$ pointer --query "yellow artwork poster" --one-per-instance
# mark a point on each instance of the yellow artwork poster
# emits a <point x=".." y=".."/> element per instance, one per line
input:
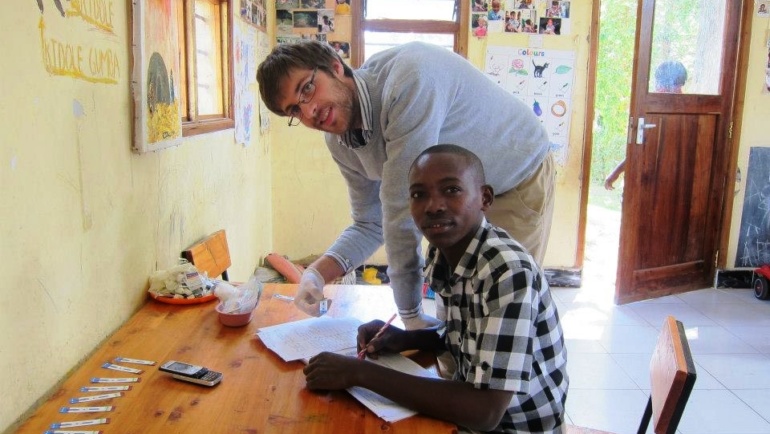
<point x="156" y="76"/>
<point x="69" y="48"/>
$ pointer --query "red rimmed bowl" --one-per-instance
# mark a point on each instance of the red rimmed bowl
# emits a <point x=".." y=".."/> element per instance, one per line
<point x="234" y="319"/>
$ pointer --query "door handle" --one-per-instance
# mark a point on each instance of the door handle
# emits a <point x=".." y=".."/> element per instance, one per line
<point x="640" y="127"/>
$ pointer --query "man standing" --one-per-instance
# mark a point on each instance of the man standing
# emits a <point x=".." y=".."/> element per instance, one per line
<point x="377" y="119"/>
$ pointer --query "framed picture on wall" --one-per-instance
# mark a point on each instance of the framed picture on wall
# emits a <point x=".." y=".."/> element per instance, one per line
<point x="305" y="20"/>
<point x="155" y="76"/>
<point x="254" y="12"/>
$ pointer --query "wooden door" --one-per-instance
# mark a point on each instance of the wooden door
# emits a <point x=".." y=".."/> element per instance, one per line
<point x="676" y="156"/>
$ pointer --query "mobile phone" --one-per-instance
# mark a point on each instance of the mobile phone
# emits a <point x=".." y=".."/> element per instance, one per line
<point x="192" y="373"/>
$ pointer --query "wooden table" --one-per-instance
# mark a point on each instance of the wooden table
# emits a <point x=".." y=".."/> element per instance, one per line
<point x="259" y="393"/>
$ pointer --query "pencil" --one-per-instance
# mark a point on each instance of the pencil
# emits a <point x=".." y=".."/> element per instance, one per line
<point x="362" y="353"/>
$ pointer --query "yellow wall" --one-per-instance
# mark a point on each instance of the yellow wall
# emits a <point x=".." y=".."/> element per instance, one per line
<point x="310" y="205"/>
<point x="756" y="111"/>
<point x="562" y="246"/>
<point x="84" y="220"/>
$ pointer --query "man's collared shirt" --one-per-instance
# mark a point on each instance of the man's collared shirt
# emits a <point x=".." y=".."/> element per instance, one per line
<point x="358" y="138"/>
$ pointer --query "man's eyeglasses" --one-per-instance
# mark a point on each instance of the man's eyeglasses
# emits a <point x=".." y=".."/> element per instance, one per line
<point x="305" y="95"/>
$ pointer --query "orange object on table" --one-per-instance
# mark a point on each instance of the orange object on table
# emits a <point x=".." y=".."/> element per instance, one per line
<point x="288" y="269"/>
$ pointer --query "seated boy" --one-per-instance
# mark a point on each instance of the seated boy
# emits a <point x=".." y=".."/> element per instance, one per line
<point x="501" y="328"/>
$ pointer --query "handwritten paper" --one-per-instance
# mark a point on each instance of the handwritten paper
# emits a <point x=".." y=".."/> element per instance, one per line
<point x="305" y="338"/>
<point x="301" y="340"/>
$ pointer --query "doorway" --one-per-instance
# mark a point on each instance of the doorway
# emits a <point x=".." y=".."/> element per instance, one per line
<point x="678" y="139"/>
<point x="614" y="68"/>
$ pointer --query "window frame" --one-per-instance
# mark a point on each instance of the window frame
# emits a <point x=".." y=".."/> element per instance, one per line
<point x="458" y="28"/>
<point x="193" y="123"/>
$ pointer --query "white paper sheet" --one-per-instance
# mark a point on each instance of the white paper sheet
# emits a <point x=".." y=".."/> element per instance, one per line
<point x="301" y="340"/>
<point x="381" y="406"/>
<point x="305" y="338"/>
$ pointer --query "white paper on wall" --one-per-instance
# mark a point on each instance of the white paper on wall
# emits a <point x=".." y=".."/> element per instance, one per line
<point x="543" y="79"/>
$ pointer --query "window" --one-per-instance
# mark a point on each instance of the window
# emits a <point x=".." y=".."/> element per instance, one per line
<point x="387" y="23"/>
<point x="205" y="44"/>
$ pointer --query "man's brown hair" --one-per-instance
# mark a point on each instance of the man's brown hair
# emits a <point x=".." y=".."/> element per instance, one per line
<point x="306" y="54"/>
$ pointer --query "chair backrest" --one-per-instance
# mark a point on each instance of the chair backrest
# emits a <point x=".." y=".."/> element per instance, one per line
<point x="672" y="376"/>
<point x="210" y="255"/>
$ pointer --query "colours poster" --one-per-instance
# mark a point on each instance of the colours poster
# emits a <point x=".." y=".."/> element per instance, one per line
<point x="543" y="79"/>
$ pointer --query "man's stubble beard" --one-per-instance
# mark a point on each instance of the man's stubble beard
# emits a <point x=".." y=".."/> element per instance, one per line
<point x="349" y="105"/>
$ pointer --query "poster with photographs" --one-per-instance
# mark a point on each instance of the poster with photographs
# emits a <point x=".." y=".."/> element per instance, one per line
<point x="543" y="79"/>
<point x="546" y="17"/>
<point x="321" y="20"/>
<point x="254" y="13"/>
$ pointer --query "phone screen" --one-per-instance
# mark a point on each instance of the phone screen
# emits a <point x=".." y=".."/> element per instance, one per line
<point x="183" y="368"/>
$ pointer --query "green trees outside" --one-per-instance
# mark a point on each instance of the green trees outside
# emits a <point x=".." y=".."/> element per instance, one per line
<point x="613" y="86"/>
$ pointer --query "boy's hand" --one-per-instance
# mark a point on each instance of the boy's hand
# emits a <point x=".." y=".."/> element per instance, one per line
<point x="329" y="371"/>
<point x="392" y="339"/>
<point x="608" y="183"/>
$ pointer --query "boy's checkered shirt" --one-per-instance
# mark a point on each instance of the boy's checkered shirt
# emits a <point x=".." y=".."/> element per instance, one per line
<point x="503" y="328"/>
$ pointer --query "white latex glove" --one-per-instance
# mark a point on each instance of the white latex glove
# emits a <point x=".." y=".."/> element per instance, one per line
<point x="310" y="293"/>
<point x="421" y="321"/>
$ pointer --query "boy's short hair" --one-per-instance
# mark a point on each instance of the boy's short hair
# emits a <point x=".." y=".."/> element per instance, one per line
<point x="670" y="74"/>
<point x="306" y="54"/>
<point x="472" y="159"/>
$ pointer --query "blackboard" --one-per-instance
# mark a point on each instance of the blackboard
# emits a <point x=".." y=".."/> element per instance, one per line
<point x="754" y="239"/>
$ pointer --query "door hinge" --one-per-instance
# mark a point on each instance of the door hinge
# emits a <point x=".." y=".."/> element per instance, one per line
<point x="716" y="258"/>
<point x="730" y="131"/>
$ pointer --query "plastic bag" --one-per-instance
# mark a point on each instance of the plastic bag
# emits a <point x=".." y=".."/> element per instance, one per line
<point x="182" y="281"/>
<point x="240" y="299"/>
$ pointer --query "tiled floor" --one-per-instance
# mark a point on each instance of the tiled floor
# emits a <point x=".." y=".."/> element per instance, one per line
<point x="609" y="349"/>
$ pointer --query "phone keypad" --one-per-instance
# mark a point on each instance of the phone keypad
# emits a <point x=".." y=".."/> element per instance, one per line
<point x="210" y="376"/>
<point x="200" y="374"/>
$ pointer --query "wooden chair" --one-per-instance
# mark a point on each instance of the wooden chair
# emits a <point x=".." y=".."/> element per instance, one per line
<point x="672" y="376"/>
<point x="210" y="255"/>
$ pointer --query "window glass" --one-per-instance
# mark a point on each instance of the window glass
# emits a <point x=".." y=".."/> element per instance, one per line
<point x="205" y="58"/>
<point x="687" y="47"/>
<point x="410" y="9"/>
<point x="208" y="58"/>
<point x="378" y="41"/>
